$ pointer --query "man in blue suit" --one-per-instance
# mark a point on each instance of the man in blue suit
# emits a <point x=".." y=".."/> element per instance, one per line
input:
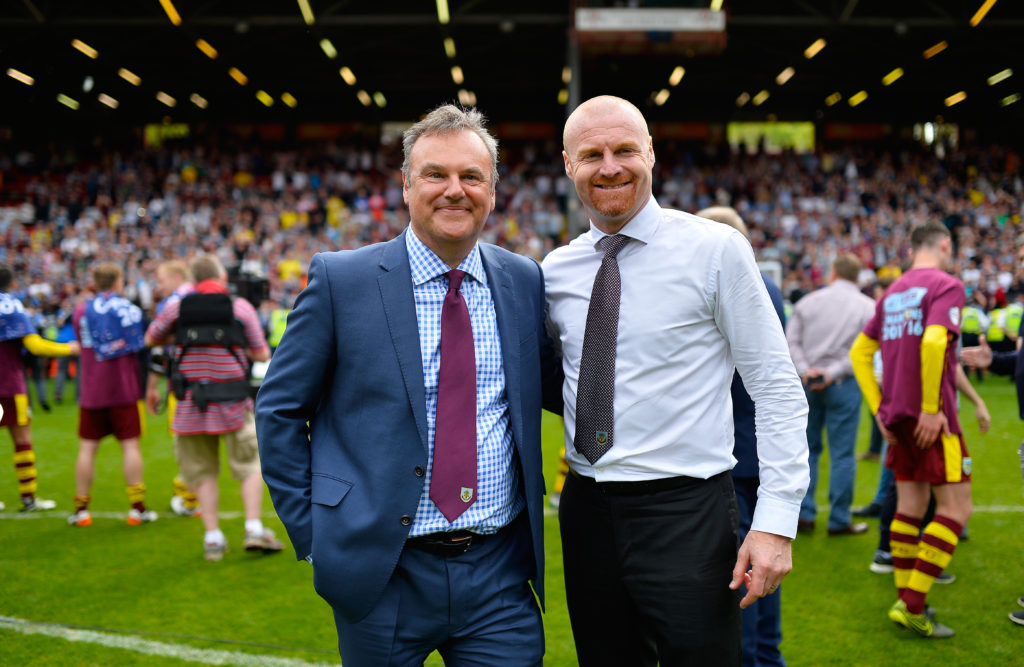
<point x="424" y="530"/>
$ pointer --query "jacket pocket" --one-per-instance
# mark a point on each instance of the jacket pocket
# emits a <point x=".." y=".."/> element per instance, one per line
<point x="328" y="491"/>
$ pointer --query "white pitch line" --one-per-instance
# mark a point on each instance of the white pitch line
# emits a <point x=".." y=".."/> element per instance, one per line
<point x="149" y="647"/>
<point x="120" y="516"/>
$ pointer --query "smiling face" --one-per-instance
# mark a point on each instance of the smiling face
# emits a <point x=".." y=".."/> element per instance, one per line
<point x="610" y="158"/>
<point x="449" y="192"/>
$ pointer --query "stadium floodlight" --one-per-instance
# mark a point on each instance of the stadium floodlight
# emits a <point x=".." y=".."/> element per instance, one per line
<point x="289" y="99"/>
<point x="171" y="12"/>
<point x="166" y="99"/>
<point x="661" y="97"/>
<point x="379" y="99"/>
<point x="676" y="76"/>
<point x="265" y="97"/>
<point x="129" y="76"/>
<point x="1000" y="76"/>
<point x="347" y="74"/>
<point x="563" y="96"/>
<point x="328" y="48"/>
<point x="566" y="75"/>
<point x="833" y="99"/>
<point x="742" y="99"/>
<point x="237" y="75"/>
<point x="785" y="75"/>
<point x="449" y="47"/>
<point x="892" y="76"/>
<point x="442" y="12"/>
<point x="815" y="47"/>
<point x="982" y="11"/>
<point x="307" y="12"/>
<point x="1009" y="99"/>
<point x="760" y="98"/>
<point x="956" y="98"/>
<point x="457" y="75"/>
<point x="935" y="49"/>
<point x="85" y="48"/>
<point x="857" y="98"/>
<point x="364" y="98"/>
<point x="20" y="76"/>
<point x="467" y="98"/>
<point x="198" y="100"/>
<point x="107" y="100"/>
<point x="67" y="101"/>
<point x="206" y="48"/>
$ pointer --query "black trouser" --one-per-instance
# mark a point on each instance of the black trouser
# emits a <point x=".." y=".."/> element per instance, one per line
<point x="647" y="574"/>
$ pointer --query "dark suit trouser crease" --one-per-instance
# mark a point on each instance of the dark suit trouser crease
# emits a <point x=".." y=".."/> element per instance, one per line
<point x="647" y="576"/>
<point x="476" y="609"/>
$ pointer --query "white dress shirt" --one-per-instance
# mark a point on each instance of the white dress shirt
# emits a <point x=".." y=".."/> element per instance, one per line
<point x="693" y="308"/>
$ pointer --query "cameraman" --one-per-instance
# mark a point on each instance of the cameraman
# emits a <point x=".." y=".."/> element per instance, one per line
<point x="213" y="338"/>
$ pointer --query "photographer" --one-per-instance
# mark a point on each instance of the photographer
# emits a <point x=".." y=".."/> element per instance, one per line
<point x="214" y="337"/>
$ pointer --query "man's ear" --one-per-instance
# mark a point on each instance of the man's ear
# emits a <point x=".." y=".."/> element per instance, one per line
<point x="568" y="164"/>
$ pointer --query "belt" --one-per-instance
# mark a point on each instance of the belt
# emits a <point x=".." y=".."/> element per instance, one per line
<point x="642" y="486"/>
<point x="456" y="542"/>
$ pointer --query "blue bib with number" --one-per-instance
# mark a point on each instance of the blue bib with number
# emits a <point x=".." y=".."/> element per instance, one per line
<point x="14" y="321"/>
<point x="113" y="326"/>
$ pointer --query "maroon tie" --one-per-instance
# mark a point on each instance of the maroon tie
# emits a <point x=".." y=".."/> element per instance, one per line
<point x="453" y="475"/>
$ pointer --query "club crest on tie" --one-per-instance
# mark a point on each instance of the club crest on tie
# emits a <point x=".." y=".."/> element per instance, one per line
<point x="601" y="437"/>
<point x="467" y="494"/>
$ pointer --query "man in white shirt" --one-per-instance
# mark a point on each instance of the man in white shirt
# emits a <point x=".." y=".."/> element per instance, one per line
<point x="650" y="526"/>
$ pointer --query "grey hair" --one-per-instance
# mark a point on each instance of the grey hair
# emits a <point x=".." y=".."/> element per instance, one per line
<point x="449" y="119"/>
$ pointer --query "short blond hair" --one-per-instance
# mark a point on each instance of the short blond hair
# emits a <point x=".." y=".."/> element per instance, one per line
<point x="726" y="215"/>
<point x="106" y="275"/>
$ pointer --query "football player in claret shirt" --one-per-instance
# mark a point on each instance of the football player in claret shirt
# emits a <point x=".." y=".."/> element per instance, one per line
<point x="17" y="333"/>
<point x="110" y="330"/>
<point x="916" y="325"/>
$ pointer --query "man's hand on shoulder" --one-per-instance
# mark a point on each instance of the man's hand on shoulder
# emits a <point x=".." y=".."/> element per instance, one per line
<point x="763" y="561"/>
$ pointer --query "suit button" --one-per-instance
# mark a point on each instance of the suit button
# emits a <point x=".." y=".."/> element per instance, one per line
<point x="419" y="471"/>
<point x="406" y="520"/>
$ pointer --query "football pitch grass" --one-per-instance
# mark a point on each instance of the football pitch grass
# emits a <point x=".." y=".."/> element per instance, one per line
<point x="114" y="594"/>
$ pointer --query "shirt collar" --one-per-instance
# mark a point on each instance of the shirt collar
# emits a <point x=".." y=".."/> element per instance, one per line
<point x="642" y="227"/>
<point x="426" y="266"/>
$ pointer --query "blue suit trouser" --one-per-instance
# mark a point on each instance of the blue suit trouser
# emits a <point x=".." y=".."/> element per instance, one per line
<point x="476" y="608"/>
<point x="762" y="621"/>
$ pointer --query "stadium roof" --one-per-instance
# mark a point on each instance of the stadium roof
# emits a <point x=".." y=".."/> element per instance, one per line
<point x="512" y="56"/>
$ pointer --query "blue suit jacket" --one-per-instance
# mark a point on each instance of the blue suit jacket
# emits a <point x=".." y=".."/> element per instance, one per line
<point x="341" y="415"/>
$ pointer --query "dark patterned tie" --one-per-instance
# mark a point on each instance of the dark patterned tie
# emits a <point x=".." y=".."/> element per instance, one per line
<point x="595" y="392"/>
<point x="453" y="473"/>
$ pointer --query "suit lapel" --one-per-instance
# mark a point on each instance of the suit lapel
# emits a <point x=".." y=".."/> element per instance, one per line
<point x="395" y="283"/>
<point x="503" y="295"/>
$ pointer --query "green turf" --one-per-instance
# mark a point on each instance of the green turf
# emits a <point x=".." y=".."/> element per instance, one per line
<point x="152" y="579"/>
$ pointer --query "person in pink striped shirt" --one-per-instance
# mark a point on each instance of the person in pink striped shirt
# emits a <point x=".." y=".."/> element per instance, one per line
<point x="211" y="383"/>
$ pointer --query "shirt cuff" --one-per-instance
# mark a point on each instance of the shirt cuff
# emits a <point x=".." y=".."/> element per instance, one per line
<point x="775" y="516"/>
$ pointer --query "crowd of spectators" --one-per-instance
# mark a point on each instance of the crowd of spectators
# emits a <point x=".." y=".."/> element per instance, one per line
<point x="265" y="211"/>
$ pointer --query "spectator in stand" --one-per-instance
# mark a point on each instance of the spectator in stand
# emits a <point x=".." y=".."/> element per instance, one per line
<point x="110" y="330"/>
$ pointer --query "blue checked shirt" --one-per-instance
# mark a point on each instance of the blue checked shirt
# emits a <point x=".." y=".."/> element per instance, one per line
<point x="498" y="498"/>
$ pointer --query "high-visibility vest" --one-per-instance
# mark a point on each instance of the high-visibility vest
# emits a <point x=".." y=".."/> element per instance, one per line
<point x="971" y="320"/>
<point x="278" y="323"/>
<point x="1014" y="314"/>
<point x="995" y="331"/>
